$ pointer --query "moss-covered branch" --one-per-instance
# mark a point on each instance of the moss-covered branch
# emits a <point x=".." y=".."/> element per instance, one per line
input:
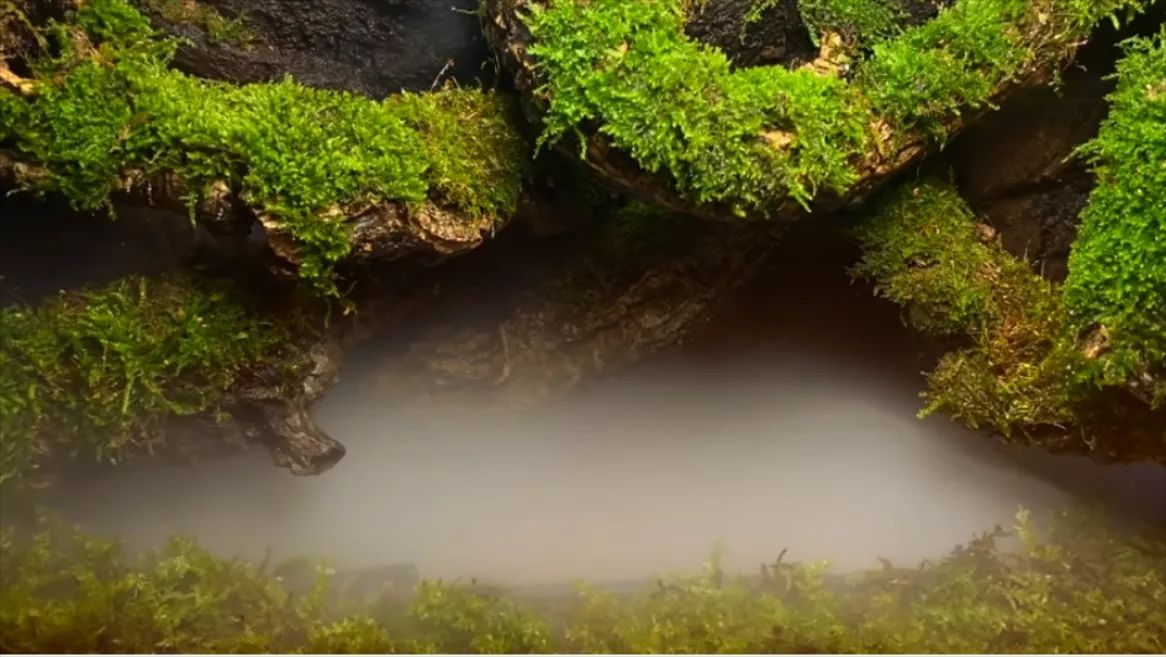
<point x="1028" y="372"/>
<point x="328" y="174"/>
<point x="622" y="76"/>
<point x="1079" y="588"/>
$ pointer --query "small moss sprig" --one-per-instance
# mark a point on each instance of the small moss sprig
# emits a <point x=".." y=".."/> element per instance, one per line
<point x="860" y="22"/>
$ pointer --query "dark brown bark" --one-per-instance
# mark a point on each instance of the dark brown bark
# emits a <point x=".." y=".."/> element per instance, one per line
<point x="371" y="47"/>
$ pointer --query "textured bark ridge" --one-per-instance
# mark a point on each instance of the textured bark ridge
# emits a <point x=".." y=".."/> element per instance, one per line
<point x="585" y="310"/>
<point x="371" y="47"/>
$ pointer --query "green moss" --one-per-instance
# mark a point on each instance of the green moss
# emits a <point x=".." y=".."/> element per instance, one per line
<point x="1078" y="586"/>
<point x="860" y="22"/>
<point x="1117" y="269"/>
<point x="96" y="372"/>
<point x="1027" y="373"/>
<point x="926" y="252"/>
<point x="757" y="137"/>
<point x="458" y="620"/>
<point x="113" y="21"/>
<point x="463" y="161"/>
<point x="69" y="592"/>
<point x="677" y="107"/>
<point x="296" y="154"/>
<point x="924" y="249"/>
<point x="219" y="28"/>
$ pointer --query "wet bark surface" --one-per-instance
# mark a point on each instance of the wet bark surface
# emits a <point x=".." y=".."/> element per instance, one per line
<point x="372" y="47"/>
<point x="775" y="35"/>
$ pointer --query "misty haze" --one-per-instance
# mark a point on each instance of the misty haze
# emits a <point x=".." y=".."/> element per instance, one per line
<point x="790" y="424"/>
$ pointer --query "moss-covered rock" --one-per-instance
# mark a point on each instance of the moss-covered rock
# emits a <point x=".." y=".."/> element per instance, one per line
<point x="1029" y="373"/>
<point x="1079" y="587"/>
<point x="327" y="174"/>
<point x="667" y="117"/>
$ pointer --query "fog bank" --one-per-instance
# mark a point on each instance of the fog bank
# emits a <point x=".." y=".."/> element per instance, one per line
<point x="789" y="424"/>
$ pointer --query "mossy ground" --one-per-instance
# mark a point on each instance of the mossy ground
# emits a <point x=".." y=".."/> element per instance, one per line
<point x="96" y="372"/>
<point x="1080" y="588"/>
<point x="109" y="105"/>
<point x="757" y="138"/>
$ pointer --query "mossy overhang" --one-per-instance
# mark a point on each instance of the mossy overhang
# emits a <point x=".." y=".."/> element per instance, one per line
<point x="1028" y="372"/>
<point x="657" y="114"/>
<point x="331" y="177"/>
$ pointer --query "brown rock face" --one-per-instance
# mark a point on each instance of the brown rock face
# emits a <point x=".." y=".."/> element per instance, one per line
<point x="1016" y="167"/>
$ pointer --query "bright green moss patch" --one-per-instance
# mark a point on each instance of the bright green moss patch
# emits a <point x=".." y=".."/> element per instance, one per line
<point x="463" y="162"/>
<point x="925" y="251"/>
<point x="757" y="137"/>
<point x="1079" y="587"/>
<point x="295" y="154"/>
<point x="96" y="372"/>
<point x="857" y="21"/>
<point x="677" y="107"/>
<point x="1117" y="269"/>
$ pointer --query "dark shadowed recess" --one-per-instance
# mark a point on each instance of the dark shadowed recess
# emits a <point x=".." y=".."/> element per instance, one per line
<point x="777" y="37"/>
<point x="46" y="247"/>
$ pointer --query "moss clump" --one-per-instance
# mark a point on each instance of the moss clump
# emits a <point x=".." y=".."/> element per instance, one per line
<point x="859" y="22"/>
<point x="926" y="251"/>
<point x="297" y="155"/>
<point x="476" y="161"/>
<point x="677" y="106"/>
<point x="219" y="28"/>
<point x="757" y="137"/>
<point x="1079" y="587"/>
<point x="1027" y="373"/>
<point x="96" y="372"/>
<point x="1117" y="269"/>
